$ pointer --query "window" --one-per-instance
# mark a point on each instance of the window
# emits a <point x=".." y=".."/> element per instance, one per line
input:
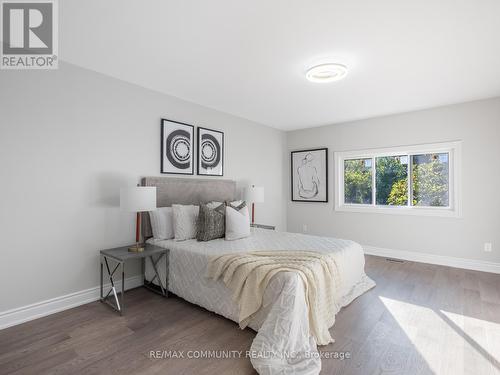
<point x="358" y="181"/>
<point x="404" y="180"/>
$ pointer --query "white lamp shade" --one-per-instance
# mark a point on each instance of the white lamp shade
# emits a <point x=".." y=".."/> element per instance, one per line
<point x="138" y="198"/>
<point x="254" y="194"/>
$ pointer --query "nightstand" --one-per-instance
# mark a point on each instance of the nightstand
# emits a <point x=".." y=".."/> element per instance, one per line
<point x="262" y="226"/>
<point x="118" y="257"/>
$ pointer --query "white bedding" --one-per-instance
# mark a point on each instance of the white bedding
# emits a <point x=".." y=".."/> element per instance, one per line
<point x="283" y="344"/>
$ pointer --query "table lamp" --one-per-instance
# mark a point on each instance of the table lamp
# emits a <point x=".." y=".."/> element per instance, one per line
<point x="138" y="199"/>
<point x="254" y="194"/>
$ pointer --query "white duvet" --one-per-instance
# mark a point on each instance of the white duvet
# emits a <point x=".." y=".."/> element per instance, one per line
<point x="283" y="344"/>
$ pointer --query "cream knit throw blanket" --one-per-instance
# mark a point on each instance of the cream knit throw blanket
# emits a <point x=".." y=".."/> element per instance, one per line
<point x="247" y="275"/>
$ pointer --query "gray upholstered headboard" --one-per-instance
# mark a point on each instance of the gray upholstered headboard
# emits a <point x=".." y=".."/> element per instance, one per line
<point x="186" y="191"/>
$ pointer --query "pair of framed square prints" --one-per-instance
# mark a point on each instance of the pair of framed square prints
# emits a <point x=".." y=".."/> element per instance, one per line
<point x="177" y="144"/>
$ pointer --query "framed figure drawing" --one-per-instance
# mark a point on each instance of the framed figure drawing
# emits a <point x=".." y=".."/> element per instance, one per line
<point x="310" y="175"/>
<point x="210" y="152"/>
<point x="177" y="141"/>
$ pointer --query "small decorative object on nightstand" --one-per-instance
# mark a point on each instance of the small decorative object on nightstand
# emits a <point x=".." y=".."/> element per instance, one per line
<point x="263" y="226"/>
<point x="138" y="199"/>
<point x="119" y="256"/>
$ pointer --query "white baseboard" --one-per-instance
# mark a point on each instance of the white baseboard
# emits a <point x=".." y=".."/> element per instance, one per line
<point x="37" y="310"/>
<point x="468" y="264"/>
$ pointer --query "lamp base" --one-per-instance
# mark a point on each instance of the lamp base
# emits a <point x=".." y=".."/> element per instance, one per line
<point x="136" y="248"/>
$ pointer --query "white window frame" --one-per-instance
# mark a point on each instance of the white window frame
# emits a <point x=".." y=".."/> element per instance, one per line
<point x="454" y="149"/>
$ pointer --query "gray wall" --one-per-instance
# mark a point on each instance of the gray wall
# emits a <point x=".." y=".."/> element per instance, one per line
<point x="69" y="139"/>
<point x="476" y="123"/>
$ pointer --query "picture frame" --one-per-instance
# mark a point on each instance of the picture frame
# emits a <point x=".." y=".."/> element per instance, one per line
<point x="177" y="144"/>
<point x="309" y="175"/>
<point x="210" y="150"/>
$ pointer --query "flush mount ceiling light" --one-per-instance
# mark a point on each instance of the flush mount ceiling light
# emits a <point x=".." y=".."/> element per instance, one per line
<point x="326" y="73"/>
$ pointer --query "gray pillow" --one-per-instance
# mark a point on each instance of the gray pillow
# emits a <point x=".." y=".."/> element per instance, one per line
<point x="211" y="222"/>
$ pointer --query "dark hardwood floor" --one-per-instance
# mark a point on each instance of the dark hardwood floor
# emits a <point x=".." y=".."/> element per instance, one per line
<point x="420" y="319"/>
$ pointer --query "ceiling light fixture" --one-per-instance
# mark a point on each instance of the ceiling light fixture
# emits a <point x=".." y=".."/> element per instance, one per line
<point x="326" y="73"/>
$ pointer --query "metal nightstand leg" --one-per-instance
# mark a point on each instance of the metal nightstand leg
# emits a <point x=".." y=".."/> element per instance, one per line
<point x="148" y="284"/>
<point x="104" y="299"/>
<point x="166" y="272"/>
<point x="102" y="292"/>
<point x="123" y="288"/>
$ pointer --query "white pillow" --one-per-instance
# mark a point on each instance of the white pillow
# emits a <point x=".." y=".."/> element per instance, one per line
<point x="237" y="221"/>
<point x="185" y="218"/>
<point x="162" y="223"/>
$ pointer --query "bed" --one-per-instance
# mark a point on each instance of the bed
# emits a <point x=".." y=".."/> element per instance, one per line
<point x="282" y="344"/>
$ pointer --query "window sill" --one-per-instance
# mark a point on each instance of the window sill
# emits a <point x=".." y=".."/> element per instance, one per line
<point x="411" y="211"/>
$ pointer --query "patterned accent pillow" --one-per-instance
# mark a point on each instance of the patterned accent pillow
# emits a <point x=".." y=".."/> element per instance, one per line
<point x="211" y="222"/>
<point x="237" y="205"/>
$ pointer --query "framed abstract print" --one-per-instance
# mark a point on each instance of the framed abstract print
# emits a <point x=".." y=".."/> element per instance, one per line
<point x="210" y="152"/>
<point x="177" y="143"/>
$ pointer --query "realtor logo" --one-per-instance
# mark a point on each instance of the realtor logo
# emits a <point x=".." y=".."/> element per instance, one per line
<point x="29" y="34"/>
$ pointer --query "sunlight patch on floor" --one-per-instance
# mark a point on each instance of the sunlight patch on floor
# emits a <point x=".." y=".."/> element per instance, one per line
<point x="409" y="318"/>
<point x="481" y="338"/>
<point x="431" y="331"/>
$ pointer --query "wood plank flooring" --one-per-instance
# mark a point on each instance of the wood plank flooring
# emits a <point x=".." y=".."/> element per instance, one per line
<point x="420" y="319"/>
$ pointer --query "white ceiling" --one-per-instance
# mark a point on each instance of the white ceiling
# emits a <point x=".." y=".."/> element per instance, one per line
<point x="248" y="57"/>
